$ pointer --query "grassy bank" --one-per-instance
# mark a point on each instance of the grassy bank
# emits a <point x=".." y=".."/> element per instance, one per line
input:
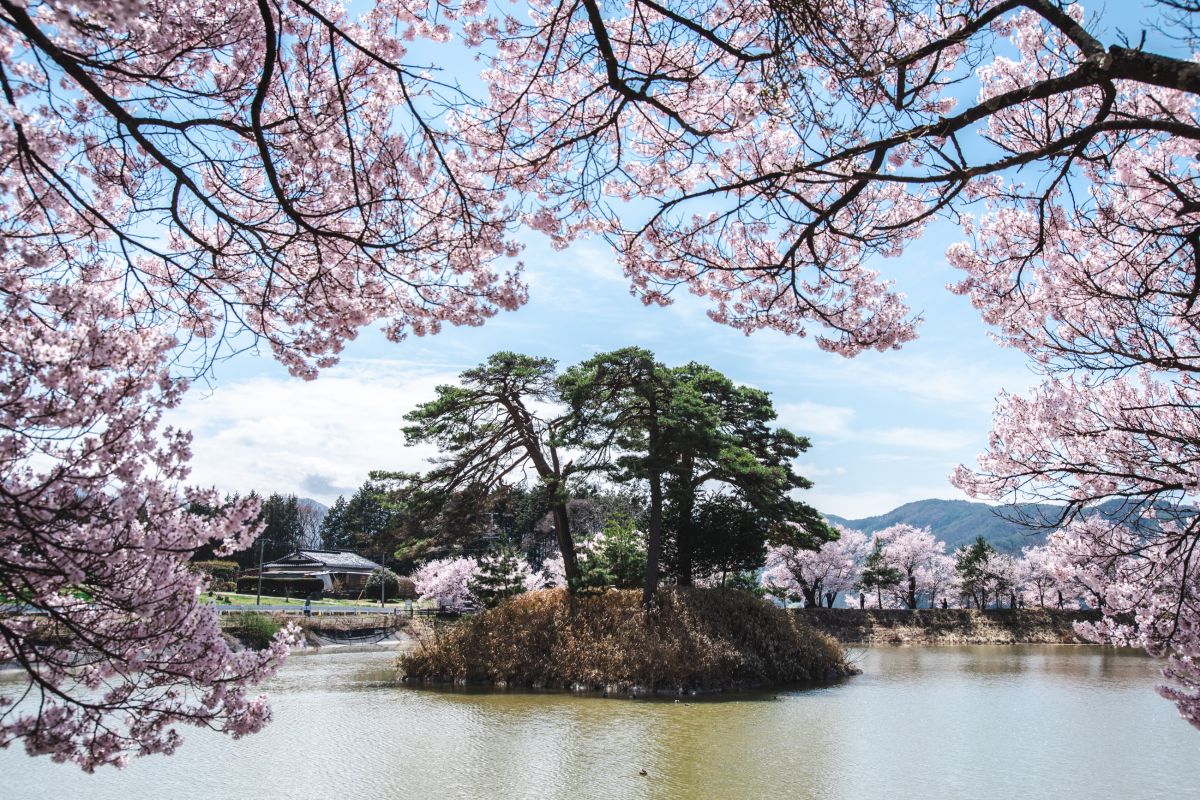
<point x="694" y="640"/>
<point x="950" y="626"/>
<point x="234" y="598"/>
<point x="254" y="630"/>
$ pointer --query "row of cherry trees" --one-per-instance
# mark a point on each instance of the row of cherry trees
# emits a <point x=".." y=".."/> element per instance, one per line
<point x="907" y="567"/>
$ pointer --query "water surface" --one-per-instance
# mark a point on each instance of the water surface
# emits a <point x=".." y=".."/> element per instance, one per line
<point x="968" y="722"/>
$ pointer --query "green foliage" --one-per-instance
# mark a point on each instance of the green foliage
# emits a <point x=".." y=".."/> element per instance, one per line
<point x="367" y="521"/>
<point x="251" y="629"/>
<point x="744" y="581"/>
<point x="280" y="518"/>
<point x="281" y="587"/>
<point x="617" y="558"/>
<point x="681" y="429"/>
<point x="334" y="535"/>
<point x="393" y="585"/>
<point x="727" y="536"/>
<point x="281" y="531"/>
<point x="632" y="419"/>
<point x="488" y="429"/>
<point x="877" y="576"/>
<point x="499" y="578"/>
<point x="971" y="565"/>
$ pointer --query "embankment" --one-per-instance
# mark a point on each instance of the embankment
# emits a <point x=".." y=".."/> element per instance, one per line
<point x="254" y="630"/>
<point x="947" y="626"/>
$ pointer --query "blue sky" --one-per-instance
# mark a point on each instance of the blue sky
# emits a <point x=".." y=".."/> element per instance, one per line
<point x="887" y="428"/>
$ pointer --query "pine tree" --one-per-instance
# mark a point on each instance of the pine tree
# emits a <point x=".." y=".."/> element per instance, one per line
<point x="618" y="557"/>
<point x="333" y="527"/>
<point x="499" y="577"/>
<point x="971" y="565"/>
<point x="877" y="575"/>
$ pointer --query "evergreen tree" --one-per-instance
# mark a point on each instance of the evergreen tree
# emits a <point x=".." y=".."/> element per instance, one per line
<point x="877" y="575"/>
<point x="492" y="427"/>
<point x="617" y="557"/>
<point x="500" y="577"/>
<point x="333" y="527"/>
<point x="971" y="564"/>
<point x="367" y="520"/>
<point x="722" y="435"/>
<point x="727" y="535"/>
<point x="622" y="413"/>
<point x="280" y="517"/>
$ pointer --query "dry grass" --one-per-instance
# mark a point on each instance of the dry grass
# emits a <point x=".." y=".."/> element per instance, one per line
<point x="695" y="639"/>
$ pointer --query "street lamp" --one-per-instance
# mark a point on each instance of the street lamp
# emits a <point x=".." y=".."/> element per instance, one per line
<point x="258" y="597"/>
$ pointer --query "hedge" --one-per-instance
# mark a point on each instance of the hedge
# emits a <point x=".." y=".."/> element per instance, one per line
<point x="282" y="587"/>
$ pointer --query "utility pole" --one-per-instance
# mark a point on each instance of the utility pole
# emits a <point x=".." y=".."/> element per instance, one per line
<point x="258" y="598"/>
<point x="382" y="578"/>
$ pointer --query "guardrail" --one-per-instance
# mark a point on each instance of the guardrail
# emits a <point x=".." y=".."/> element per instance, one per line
<point x="343" y="611"/>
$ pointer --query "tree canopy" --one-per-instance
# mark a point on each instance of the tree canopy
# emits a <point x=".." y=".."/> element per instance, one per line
<point x="183" y="181"/>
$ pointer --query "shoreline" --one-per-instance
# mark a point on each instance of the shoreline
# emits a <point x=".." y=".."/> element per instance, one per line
<point x="938" y="627"/>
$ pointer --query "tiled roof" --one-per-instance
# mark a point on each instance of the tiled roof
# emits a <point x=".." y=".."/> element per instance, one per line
<point x="331" y="559"/>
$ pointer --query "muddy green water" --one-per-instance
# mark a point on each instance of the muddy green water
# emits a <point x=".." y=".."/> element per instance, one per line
<point x="970" y="722"/>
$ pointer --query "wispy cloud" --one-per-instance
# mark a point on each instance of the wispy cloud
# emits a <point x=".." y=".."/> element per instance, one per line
<point x="316" y="438"/>
<point x="816" y="420"/>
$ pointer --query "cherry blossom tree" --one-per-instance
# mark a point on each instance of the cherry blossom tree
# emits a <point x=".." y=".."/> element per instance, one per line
<point x="817" y="575"/>
<point x="1040" y="577"/>
<point x="913" y="552"/>
<point x="936" y="579"/>
<point x="96" y="603"/>
<point x="446" y="581"/>
<point x="179" y="182"/>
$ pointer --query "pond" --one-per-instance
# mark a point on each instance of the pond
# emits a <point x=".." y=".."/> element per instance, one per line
<point x="987" y="722"/>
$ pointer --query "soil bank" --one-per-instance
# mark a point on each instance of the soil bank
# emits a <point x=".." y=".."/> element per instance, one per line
<point x="948" y="626"/>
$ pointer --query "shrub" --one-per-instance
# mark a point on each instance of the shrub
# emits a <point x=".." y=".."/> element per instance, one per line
<point x="221" y="574"/>
<point x="251" y="629"/>
<point x="394" y="586"/>
<point x="701" y="639"/>
<point x="281" y="587"/>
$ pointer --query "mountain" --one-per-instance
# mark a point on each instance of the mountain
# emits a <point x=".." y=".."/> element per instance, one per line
<point x="316" y="505"/>
<point x="958" y="522"/>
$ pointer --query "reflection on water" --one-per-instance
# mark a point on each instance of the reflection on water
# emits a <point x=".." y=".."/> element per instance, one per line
<point x="994" y="722"/>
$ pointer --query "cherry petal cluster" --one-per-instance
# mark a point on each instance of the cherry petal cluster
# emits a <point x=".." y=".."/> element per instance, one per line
<point x="97" y="602"/>
<point x="272" y="169"/>
<point x="445" y="580"/>
<point x="817" y="575"/>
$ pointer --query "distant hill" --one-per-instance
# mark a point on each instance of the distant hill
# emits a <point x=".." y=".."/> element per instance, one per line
<point x="957" y="522"/>
<point x="316" y="505"/>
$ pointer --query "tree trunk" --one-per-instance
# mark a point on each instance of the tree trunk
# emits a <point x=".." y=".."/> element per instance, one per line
<point x="566" y="546"/>
<point x="911" y="599"/>
<point x="879" y="598"/>
<point x="683" y="535"/>
<point x="653" y="540"/>
<point x="810" y="596"/>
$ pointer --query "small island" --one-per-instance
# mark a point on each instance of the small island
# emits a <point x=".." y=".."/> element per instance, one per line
<point x="689" y="641"/>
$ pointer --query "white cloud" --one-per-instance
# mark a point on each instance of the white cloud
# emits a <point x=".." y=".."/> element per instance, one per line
<point x="936" y="439"/>
<point x="317" y="438"/>
<point x="814" y="419"/>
